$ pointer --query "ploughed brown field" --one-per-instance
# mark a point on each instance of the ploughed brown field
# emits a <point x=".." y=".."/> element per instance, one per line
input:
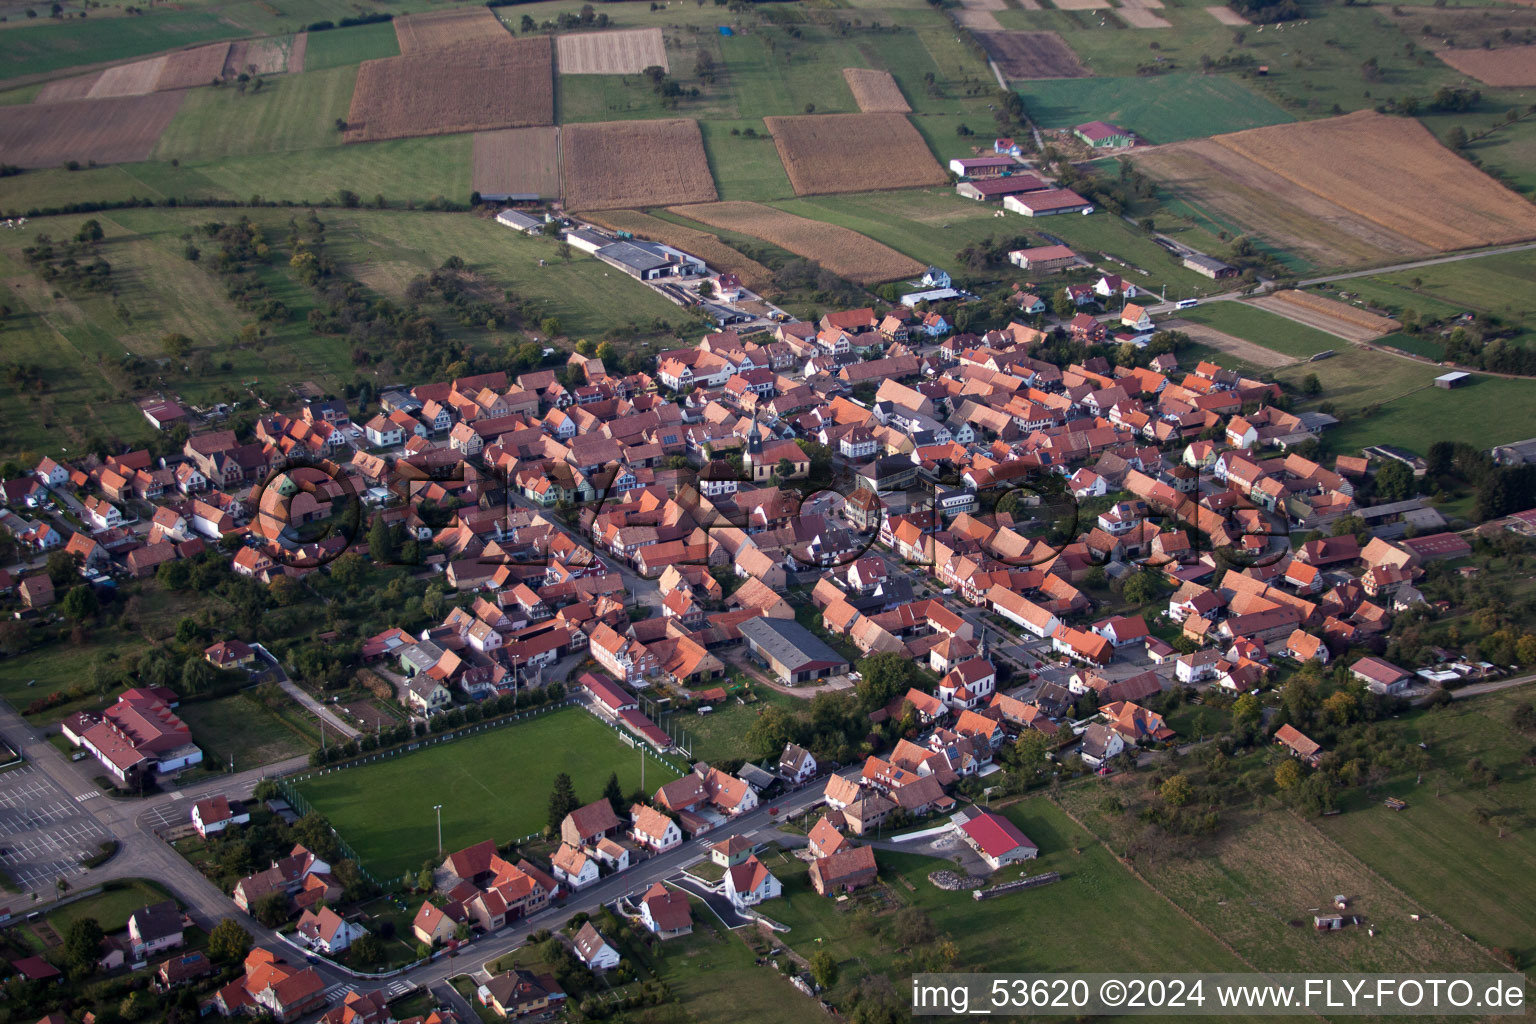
<point x="621" y="52"/>
<point x="826" y="153"/>
<point x="119" y="129"/>
<point x="465" y="88"/>
<point x="613" y="164"/>
<point x="1342" y="191"/>
<point x="436" y="30"/>
<point x="702" y="244"/>
<point x="184" y="69"/>
<point x="1393" y="172"/>
<point x="845" y="252"/>
<point x="517" y="161"/>
<point x="1031" y="55"/>
<point x="1337" y="318"/>
<point x="1506" y="66"/>
<point x="198" y="66"/>
<point x="876" y="92"/>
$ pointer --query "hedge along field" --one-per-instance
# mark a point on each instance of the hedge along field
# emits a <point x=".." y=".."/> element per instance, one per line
<point x="1163" y="108"/>
<point x="492" y="785"/>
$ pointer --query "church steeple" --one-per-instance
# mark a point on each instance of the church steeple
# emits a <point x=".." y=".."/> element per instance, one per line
<point x="754" y="444"/>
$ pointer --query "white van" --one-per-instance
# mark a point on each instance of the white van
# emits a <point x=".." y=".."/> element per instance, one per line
<point x="1186" y="303"/>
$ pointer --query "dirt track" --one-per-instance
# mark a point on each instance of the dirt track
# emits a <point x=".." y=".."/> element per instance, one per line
<point x="1336" y="326"/>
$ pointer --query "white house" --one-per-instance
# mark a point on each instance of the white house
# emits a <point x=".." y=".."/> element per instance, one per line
<point x="749" y="883"/>
<point x="653" y="829"/>
<point x="154" y="929"/>
<point x="102" y="514"/>
<point x="573" y="867"/>
<point x="216" y="813"/>
<point x="593" y="950"/>
<point x="796" y="765"/>
<point x="1100" y="743"/>
<point x="327" y="931"/>
<point x="383" y="432"/>
<point x="615" y="856"/>
<point x="1196" y="667"/>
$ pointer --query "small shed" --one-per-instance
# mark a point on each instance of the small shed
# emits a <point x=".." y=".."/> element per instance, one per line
<point x="1454" y="379"/>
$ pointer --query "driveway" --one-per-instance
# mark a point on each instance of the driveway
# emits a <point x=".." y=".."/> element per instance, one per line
<point x="292" y="689"/>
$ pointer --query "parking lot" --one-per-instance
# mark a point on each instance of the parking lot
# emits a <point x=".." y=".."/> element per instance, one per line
<point x="44" y="831"/>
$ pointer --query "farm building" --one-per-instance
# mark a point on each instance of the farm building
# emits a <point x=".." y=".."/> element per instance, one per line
<point x="790" y="651"/>
<point x="996" y="839"/>
<point x="588" y="240"/>
<point x="1208" y="266"/>
<point x="163" y="414"/>
<point x="1454" y="379"/>
<point x="992" y="189"/>
<point x="1048" y="258"/>
<point x="648" y="261"/>
<point x="520" y="222"/>
<point x="1043" y="204"/>
<point x="1101" y="135"/>
<point x="982" y="166"/>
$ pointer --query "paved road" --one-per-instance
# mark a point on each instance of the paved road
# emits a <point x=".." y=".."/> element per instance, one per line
<point x="1499" y="684"/>
<point x="292" y="689"/>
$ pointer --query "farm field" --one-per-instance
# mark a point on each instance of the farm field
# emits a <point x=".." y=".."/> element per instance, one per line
<point x="493" y="785"/>
<point x="475" y="87"/>
<point x="1165" y="108"/>
<point x="623" y="52"/>
<point x="744" y="167"/>
<point x="1418" y="420"/>
<point x="116" y="130"/>
<point x="1507" y="66"/>
<point x="842" y="251"/>
<point x="1393" y="173"/>
<point x="240" y="731"/>
<point x="1272" y="332"/>
<point x="1330" y="315"/>
<point x="53" y="46"/>
<point x="1487" y="898"/>
<point x="825" y="153"/>
<point x="634" y="163"/>
<point x="876" y="92"/>
<point x="436" y="30"/>
<point x="339" y="47"/>
<point x="1489" y="284"/>
<point x="291" y="112"/>
<point x="517" y="161"/>
<point x="269" y="56"/>
<point x="1031" y="55"/>
<point x="702" y="244"/>
<point x="1269" y="869"/>
<point x="1229" y="350"/>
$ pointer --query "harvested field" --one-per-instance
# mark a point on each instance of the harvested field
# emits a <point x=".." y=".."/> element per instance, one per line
<point x="271" y="56"/>
<point x="1509" y="66"/>
<point x="120" y="129"/>
<point x="1031" y="54"/>
<point x="615" y="164"/>
<point x="1226" y="15"/>
<point x="186" y="69"/>
<point x="700" y="243"/>
<point x="624" y="52"/>
<point x="1243" y="196"/>
<point x="1393" y="172"/>
<point x="825" y="153"/>
<point x="1081" y="5"/>
<point x="467" y="88"/>
<point x="134" y="79"/>
<point x="979" y="14"/>
<point x="845" y="252"/>
<point x="76" y="88"/>
<point x="1337" y="318"/>
<point x="1248" y="351"/>
<point x="1140" y="17"/>
<point x="876" y="92"/>
<point x="517" y="161"/>
<point x="437" y="30"/>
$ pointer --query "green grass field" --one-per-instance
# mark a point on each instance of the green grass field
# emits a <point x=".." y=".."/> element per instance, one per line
<point x="342" y="46"/>
<point x="494" y="785"/>
<point x="110" y="908"/>
<point x="47" y="45"/>
<point x="1487" y="895"/>
<point x="241" y="731"/>
<point x="1498" y="285"/>
<point x="290" y="112"/>
<point x="1262" y="328"/>
<point x="716" y="977"/>
<point x="1164" y="108"/>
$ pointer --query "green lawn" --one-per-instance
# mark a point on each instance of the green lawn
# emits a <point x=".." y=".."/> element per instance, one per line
<point x="744" y="168"/>
<point x="715" y="977"/>
<point x="59" y="666"/>
<point x="290" y="112"/>
<point x="494" y="785"/>
<point x="1262" y="328"/>
<point x="110" y="908"/>
<point x="1498" y="285"/>
<point x="48" y="45"/>
<point x="1164" y="108"/>
<point x="241" y="729"/>
<point x="338" y="47"/>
